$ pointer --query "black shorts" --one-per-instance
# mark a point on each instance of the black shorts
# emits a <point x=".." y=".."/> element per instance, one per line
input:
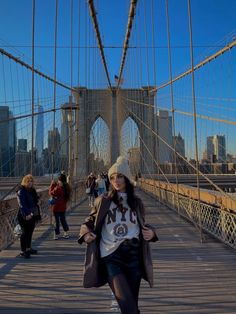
<point x="126" y="259"/>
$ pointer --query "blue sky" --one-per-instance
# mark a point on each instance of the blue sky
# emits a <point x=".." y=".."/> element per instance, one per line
<point x="213" y="26"/>
<point x="212" y="21"/>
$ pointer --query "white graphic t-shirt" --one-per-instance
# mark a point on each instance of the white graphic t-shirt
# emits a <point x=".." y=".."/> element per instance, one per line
<point x="120" y="224"/>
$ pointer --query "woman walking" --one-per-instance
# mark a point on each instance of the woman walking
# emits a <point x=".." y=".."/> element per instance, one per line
<point x="91" y="187"/>
<point x="60" y="191"/>
<point x="118" y="249"/>
<point x="28" y="214"/>
<point x="100" y="184"/>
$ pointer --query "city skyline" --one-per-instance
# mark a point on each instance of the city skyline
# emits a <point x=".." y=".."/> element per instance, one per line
<point x="17" y="151"/>
<point x="155" y="53"/>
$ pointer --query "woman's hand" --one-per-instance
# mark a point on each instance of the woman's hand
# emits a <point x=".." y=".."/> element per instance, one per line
<point x="148" y="234"/>
<point x="28" y="217"/>
<point x="89" y="237"/>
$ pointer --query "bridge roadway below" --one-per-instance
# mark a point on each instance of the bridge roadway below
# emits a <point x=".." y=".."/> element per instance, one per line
<point x="190" y="277"/>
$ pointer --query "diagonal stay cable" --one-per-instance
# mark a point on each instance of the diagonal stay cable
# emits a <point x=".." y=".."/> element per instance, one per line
<point x="200" y="116"/>
<point x="198" y="66"/>
<point x="182" y="157"/>
<point x="29" y="67"/>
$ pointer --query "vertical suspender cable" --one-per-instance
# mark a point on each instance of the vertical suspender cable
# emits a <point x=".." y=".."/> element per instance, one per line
<point x="172" y="101"/>
<point x="54" y="87"/>
<point x="195" y="119"/>
<point x="148" y="109"/>
<point x="77" y="111"/>
<point x="71" y="84"/>
<point x="32" y="82"/>
<point x="157" y="186"/>
<point x="71" y="46"/>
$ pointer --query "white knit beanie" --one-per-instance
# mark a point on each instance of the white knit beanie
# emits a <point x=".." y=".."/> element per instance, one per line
<point x="120" y="166"/>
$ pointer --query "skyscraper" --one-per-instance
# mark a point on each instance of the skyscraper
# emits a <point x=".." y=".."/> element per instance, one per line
<point x="22" y="145"/>
<point x="220" y="147"/>
<point x="164" y="129"/>
<point x="210" y="149"/>
<point x="8" y="142"/>
<point x="54" y="149"/>
<point x="179" y="147"/>
<point x="39" y="134"/>
<point x="64" y="134"/>
<point x="216" y="148"/>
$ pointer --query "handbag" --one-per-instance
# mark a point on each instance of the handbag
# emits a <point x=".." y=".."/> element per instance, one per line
<point x="17" y="231"/>
<point x="52" y="201"/>
<point x="88" y="190"/>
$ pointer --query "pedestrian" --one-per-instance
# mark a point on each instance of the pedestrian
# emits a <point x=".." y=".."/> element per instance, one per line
<point x="91" y="188"/>
<point x="117" y="238"/>
<point x="28" y="214"/>
<point x="100" y="185"/>
<point x="105" y="177"/>
<point x="61" y="192"/>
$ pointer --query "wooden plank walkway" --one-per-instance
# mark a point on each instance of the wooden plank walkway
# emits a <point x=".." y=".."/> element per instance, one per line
<point x="190" y="277"/>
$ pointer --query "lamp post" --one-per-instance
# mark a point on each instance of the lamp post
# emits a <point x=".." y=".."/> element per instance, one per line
<point x="69" y="109"/>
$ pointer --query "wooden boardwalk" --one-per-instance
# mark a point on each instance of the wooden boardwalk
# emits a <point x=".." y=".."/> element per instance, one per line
<point x="190" y="277"/>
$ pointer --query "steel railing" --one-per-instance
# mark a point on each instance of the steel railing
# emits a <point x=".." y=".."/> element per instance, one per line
<point x="218" y="222"/>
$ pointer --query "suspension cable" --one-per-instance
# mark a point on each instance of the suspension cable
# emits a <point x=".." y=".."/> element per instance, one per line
<point x="194" y="117"/>
<point x="229" y="46"/>
<point x="200" y="116"/>
<point x="172" y="102"/>
<point x="54" y="85"/>
<point x="32" y="80"/>
<point x="29" y="67"/>
<point x="100" y="45"/>
<point x="133" y="4"/>
<point x="179" y="155"/>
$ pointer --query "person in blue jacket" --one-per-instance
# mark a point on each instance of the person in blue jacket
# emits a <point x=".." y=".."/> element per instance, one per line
<point x="27" y="198"/>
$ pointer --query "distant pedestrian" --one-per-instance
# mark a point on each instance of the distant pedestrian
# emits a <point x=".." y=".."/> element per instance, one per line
<point x="117" y="238"/>
<point x="100" y="185"/>
<point x="91" y="188"/>
<point x="107" y="182"/>
<point x="28" y="214"/>
<point x="61" y="192"/>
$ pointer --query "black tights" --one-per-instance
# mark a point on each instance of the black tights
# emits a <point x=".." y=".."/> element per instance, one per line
<point x="126" y="293"/>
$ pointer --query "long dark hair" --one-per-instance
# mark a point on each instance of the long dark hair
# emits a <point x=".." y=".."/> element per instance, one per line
<point x="131" y="197"/>
<point x="66" y="187"/>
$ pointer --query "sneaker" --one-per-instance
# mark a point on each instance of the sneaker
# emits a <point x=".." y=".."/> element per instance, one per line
<point x="55" y="237"/>
<point x="33" y="251"/>
<point x="66" y="235"/>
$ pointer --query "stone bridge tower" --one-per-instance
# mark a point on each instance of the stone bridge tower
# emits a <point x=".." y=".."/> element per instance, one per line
<point x="114" y="108"/>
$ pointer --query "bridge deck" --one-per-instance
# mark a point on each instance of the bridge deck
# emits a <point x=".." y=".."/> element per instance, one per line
<point x="190" y="277"/>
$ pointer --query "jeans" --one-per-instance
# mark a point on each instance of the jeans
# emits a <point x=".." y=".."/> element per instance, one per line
<point x="101" y="191"/>
<point x="60" y="217"/>
<point x="124" y="270"/>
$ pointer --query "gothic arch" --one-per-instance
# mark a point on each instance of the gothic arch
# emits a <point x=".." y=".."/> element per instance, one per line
<point x="99" y="139"/>
<point x="129" y="134"/>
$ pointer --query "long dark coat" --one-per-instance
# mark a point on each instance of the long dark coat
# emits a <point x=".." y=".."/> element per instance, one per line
<point x="94" y="274"/>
